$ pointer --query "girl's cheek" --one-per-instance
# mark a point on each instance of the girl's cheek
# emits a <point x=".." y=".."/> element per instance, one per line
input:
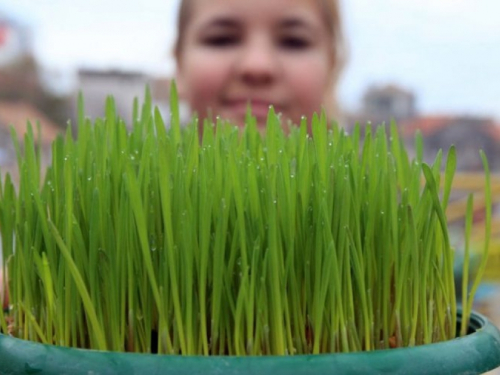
<point x="311" y="72"/>
<point x="205" y="89"/>
<point x="310" y="94"/>
<point x="205" y="76"/>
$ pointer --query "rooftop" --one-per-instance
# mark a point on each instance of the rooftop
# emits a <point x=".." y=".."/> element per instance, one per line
<point x="18" y="114"/>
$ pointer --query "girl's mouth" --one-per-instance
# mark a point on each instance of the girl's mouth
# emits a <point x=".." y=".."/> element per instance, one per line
<point x="259" y="107"/>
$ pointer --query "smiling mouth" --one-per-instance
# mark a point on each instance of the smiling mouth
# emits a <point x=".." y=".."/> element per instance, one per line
<point x="259" y="108"/>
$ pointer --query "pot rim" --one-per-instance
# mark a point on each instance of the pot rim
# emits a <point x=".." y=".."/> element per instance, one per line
<point x="474" y="353"/>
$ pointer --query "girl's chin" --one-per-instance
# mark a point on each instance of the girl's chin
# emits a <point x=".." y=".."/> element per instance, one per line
<point x="239" y="117"/>
<point x="260" y="118"/>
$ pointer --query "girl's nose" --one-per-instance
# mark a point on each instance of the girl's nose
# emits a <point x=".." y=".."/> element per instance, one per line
<point x="258" y="63"/>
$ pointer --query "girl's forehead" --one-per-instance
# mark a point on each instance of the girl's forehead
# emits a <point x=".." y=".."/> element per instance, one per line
<point x="255" y="10"/>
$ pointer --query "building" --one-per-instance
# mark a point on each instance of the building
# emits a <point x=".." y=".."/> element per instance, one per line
<point x="18" y="74"/>
<point x="469" y="134"/>
<point x="382" y="104"/>
<point x="124" y="86"/>
<point x="16" y="38"/>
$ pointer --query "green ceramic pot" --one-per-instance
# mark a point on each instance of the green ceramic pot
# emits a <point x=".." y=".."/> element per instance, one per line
<point x="475" y="353"/>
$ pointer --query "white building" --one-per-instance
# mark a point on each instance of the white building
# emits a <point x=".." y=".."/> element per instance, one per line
<point x="96" y="85"/>
<point x="124" y="86"/>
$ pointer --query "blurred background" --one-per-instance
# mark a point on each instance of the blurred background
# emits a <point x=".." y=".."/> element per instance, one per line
<point x="433" y="66"/>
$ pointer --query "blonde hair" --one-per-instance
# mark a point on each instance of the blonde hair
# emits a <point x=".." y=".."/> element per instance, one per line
<point x="333" y="21"/>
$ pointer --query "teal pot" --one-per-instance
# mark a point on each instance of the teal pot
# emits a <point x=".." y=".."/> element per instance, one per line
<point x="475" y="353"/>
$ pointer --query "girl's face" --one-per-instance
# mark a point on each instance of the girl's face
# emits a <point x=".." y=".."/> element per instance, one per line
<point x="262" y="52"/>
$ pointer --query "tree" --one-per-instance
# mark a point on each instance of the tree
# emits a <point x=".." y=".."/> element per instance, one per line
<point x="20" y="81"/>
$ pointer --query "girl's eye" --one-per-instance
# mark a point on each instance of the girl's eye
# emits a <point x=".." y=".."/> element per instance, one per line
<point x="221" y="40"/>
<point x="294" y="43"/>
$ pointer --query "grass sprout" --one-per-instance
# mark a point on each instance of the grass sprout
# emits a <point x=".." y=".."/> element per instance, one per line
<point x="209" y="239"/>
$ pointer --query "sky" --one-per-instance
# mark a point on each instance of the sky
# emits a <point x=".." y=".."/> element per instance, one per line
<point x="446" y="51"/>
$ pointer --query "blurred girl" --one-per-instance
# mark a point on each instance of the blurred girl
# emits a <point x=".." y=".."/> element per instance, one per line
<point x="285" y="53"/>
